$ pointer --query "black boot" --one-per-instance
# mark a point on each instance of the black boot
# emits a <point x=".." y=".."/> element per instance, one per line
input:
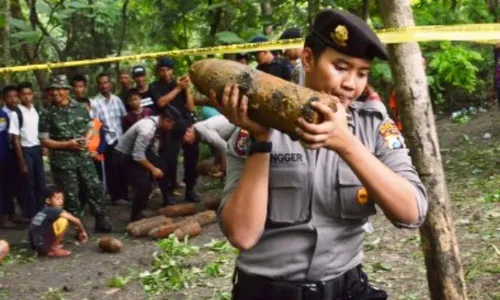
<point x="137" y="216"/>
<point x="191" y="196"/>
<point x="168" y="198"/>
<point x="102" y="224"/>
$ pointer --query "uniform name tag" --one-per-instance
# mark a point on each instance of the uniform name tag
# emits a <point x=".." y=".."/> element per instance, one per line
<point x="278" y="158"/>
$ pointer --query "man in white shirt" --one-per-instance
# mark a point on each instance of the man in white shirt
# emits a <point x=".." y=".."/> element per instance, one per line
<point x="109" y="108"/>
<point x="23" y="130"/>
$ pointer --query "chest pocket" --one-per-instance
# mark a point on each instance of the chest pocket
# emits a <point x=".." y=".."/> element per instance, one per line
<point x="289" y="197"/>
<point x="355" y="203"/>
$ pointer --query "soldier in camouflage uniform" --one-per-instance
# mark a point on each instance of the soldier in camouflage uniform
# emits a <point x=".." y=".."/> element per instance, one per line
<point x="64" y="127"/>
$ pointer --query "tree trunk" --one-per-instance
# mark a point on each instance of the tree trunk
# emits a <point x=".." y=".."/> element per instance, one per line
<point x="312" y="11"/>
<point x="31" y="56"/>
<point x="365" y="10"/>
<point x="266" y="13"/>
<point x="444" y="269"/>
<point x="6" y="35"/>
<point x="122" y="33"/>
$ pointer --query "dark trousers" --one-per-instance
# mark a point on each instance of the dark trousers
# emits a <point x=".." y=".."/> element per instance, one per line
<point x="115" y="181"/>
<point x="351" y="285"/>
<point x="141" y="179"/>
<point x="12" y="184"/>
<point x="33" y="185"/>
<point x="6" y="202"/>
<point x="170" y="149"/>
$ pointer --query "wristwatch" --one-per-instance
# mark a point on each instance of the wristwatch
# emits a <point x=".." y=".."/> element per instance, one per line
<point x="260" y="147"/>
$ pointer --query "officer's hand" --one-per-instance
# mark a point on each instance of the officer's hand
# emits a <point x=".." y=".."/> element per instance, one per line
<point x="76" y="145"/>
<point x="235" y="110"/>
<point x="157" y="173"/>
<point x="332" y="133"/>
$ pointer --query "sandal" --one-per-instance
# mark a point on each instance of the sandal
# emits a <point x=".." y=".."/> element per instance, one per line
<point x="58" y="252"/>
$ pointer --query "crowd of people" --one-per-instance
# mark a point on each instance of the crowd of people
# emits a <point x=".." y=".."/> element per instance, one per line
<point x="101" y="145"/>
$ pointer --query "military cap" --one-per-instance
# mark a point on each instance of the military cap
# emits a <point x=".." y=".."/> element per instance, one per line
<point x="166" y="62"/>
<point x="59" y="82"/>
<point x="347" y="34"/>
<point x="291" y="33"/>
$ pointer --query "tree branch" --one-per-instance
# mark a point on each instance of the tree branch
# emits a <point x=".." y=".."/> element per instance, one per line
<point x="45" y="32"/>
<point x="123" y="31"/>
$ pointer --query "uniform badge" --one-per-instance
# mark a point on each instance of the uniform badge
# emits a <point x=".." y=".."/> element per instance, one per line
<point x="340" y="35"/>
<point x="241" y="145"/>
<point x="362" y="197"/>
<point x="390" y="132"/>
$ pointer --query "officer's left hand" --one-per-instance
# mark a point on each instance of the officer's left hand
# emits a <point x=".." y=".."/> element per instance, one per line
<point x="332" y="133"/>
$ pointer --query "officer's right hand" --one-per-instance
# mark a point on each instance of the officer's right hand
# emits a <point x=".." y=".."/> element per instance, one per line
<point x="76" y="145"/>
<point x="236" y="111"/>
<point x="157" y="173"/>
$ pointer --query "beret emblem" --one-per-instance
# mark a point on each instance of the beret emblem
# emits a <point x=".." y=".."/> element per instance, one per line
<point x="340" y="35"/>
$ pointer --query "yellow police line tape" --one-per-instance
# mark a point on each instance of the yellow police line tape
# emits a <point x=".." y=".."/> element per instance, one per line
<point x="481" y="33"/>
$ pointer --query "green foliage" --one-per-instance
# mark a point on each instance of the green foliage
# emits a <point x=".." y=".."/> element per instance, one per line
<point x="54" y="294"/>
<point x="81" y="29"/>
<point x="168" y="274"/>
<point x="172" y="270"/>
<point x="19" y="256"/>
<point x="457" y="66"/>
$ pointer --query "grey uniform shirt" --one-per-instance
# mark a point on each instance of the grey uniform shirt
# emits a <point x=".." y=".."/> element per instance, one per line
<point x="316" y="207"/>
<point x="138" y="138"/>
<point x="215" y="131"/>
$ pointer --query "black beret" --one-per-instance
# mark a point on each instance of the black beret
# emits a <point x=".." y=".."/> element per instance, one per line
<point x="259" y="39"/>
<point x="291" y="33"/>
<point x="348" y="34"/>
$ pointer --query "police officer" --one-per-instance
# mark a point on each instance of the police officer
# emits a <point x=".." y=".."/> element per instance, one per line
<point x="63" y="129"/>
<point x="296" y="209"/>
<point x="169" y="90"/>
<point x="269" y="63"/>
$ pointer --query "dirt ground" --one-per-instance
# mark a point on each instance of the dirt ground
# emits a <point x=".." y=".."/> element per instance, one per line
<point x="393" y="258"/>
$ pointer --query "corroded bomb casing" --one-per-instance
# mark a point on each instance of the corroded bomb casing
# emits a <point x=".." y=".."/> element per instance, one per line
<point x="272" y="101"/>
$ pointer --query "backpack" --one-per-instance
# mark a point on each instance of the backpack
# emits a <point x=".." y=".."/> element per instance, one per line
<point x="19" y="113"/>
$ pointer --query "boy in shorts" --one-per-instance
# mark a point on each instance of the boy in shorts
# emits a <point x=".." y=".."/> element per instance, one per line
<point x="48" y="227"/>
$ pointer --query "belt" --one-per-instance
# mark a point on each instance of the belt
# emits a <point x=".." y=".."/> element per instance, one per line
<point x="267" y="288"/>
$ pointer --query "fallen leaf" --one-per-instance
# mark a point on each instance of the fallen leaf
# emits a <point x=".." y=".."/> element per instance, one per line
<point x="111" y="291"/>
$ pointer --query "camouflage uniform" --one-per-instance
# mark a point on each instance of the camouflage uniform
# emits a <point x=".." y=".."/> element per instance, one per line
<point x="72" y="170"/>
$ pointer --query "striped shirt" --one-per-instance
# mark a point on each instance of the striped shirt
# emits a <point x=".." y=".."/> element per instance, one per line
<point x="111" y="112"/>
<point x="138" y="138"/>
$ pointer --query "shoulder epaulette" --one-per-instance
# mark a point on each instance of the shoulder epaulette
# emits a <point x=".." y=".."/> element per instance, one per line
<point x="377" y="107"/>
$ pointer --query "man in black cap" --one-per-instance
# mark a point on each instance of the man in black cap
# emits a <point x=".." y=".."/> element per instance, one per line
<point x="269" y="63"/>
<point x="293" y="55"/>
<point x="296" y="209"/>
<point x="141" y="84"/>
<point x="169" y="90"/>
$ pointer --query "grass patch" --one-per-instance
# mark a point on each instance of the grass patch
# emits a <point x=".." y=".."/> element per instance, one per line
<point x="176" y="267"/>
